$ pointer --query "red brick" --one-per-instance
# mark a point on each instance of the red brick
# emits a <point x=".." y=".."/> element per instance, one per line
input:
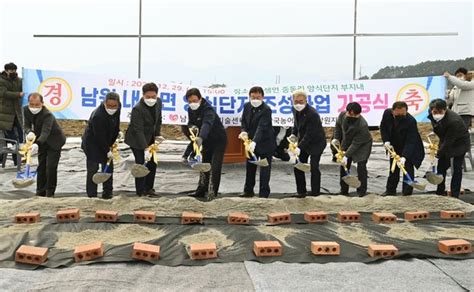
<point x="267" y="248"/>
<point x="452" y="214"/>
<point x="27" y="218"/>
<point x="106" y="216"/>
<point x="31" y="255"/>
<point x="68" y="215"/>
<point x="146" y="252"/>
<point x="144" y="216"/>
<point x="382" y="250"/>
<point x="314" y="217"/>
<point x="417" y="215"/>
<point x="348" y="216"/>
<point x="202" y="251"/>
<point x="454" y="246"/>
<point x="279" y="218"/>
<point x="384" y="217"/>
<point x="325" y="248"/>
<point x="191" y="218"/>
<point x="238" y="218"/>
<point x="89" y="251"/>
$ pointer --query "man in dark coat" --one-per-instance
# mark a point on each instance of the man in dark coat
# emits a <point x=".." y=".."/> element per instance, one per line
<point x="49" y="141"/>
<point x="352" y="132"/>
<point x="399" y="129"/>
<point x="257" y="126"/>
<point x="99" y="135"/>
<point x="311" y="138"/>
<point x="213" y="139"/>
<point x="144" y="128"/>
<point x="11" y="98"/>
<point x="454" y="142"/>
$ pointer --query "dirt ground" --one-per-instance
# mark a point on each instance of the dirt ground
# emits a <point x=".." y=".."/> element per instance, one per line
<point x="75" y="128"/>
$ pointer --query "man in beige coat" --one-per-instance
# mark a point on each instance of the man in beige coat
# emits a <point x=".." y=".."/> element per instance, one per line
<point x="463" y="104"/>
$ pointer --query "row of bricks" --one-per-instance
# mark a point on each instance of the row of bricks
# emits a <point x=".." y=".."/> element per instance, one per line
<point x="148" y="252"/>
<point x="73" y="215"/>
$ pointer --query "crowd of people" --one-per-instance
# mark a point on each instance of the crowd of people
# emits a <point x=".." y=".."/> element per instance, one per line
<point x="398" y="129"/>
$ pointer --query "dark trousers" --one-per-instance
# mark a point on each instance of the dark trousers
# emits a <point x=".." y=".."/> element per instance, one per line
<point x="47" y="172"/>
<point x="144" y="184"/>
<point x="265" y="172"/>
<point x="467" y="120"/>
<point x="315" y="175"/>
<point x="443" y="165"/>
<point x="210" y="181"/>
<point x="394" y="178"/>
<point x="361" y="175"/>
<point x="16" y="133"/>
<point x="91" y="187"/>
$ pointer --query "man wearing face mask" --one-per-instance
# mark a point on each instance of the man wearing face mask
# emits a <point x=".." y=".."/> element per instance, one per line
<point x="213" y="139"/>
<point x="144" y="128"/>
<point x="399" y="129"/>
<point x="352" y="132"/>
<point x="257" y="126"/>
<point x="454" y="142"/>
<point x="50" y="139"/>
<point x="100" y="134"/>
<point x="309" y="133"/>
<point x="463" y="96"/>
<point x="11" y="98"/>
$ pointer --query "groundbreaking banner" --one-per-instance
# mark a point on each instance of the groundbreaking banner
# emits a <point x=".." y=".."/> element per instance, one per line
<point x="75" y="95"/>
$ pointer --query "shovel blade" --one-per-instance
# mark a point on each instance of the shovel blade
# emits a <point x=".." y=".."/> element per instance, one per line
<point x="101" y="177"/>
<point x="201" y="167"/>
<point x="434" y="178"/>
<point x="416" y="185"/>
<point x="139" y="170"/>
<point x="305" y="167"/>
<point x="22" y="182"/>
<point x="260" y="162"/>
<point x="351" y="181"/>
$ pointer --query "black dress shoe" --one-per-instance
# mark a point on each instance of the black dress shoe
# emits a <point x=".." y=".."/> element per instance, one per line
<point x="198" y="195"/>
<point x="247" y="195"/>
<point x="107" y="196"/>
<point x="386" y="194"/>
<point x="300" y="196"/>
<point x="362" y="195"/>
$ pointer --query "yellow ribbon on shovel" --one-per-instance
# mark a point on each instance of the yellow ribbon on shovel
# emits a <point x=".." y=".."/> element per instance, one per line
<point x="340" y="154"/>
<point x="396" y="162"/>
<point x="248" y="153"/>
<point x="115" y="152"/>
<point x="193" y="132"/>
<point x="25" y="150"/>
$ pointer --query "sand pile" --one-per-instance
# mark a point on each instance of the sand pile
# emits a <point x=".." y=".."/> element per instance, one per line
<point x="255" y="207"/>
<point x="411" y="231"/>
<point x="122" y="234"/>
<point x="354" y="233"/>
<point x="280" y="233"/>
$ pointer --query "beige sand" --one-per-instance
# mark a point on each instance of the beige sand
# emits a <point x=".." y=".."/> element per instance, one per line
<point x="256" y="207"/>
<point x="280" y="233"/>
<point x="353" y="233"/>
<point x="19" y="228"/>
<point x="210" y="235"/>
<point x="408" y="230"/>
<point x="123" y="234"/>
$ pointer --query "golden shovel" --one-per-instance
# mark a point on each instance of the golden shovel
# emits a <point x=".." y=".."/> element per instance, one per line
<point x="432" y="175"/>
<point x="348" y="178"/>
<point x="27" y="177"/>
<point x="396" y="162"/>
<point x="196" y="162"/>
<point x="292" y="146"/>
<point x="251" y="157"/>
<point x="140" y="170"/>
<point x="104" y="175"/>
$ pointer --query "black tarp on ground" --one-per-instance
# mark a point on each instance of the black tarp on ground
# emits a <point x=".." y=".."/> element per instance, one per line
<point x="296" y="248"/>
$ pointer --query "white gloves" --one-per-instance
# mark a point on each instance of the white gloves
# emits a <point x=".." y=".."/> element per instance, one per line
<point x="147" y="155"/>
<point x="435" y="161"/>
<point x="297" y="151"/>
<point x="30" y="136"/>
<point x="344" y="160"/>
<point x="402" y="161"/>
<point x="387" y="144"/>
<point x="252" y="146"/>
<point x="243" y="136"/>
<point x="110" y="155"/>
<point x="34" y="149"/>
<point x="334" y="141"/>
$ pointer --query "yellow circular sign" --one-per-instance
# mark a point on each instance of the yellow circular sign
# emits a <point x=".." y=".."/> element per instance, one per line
<point x="416" y="97"/>
<point x="56" y="92"/>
